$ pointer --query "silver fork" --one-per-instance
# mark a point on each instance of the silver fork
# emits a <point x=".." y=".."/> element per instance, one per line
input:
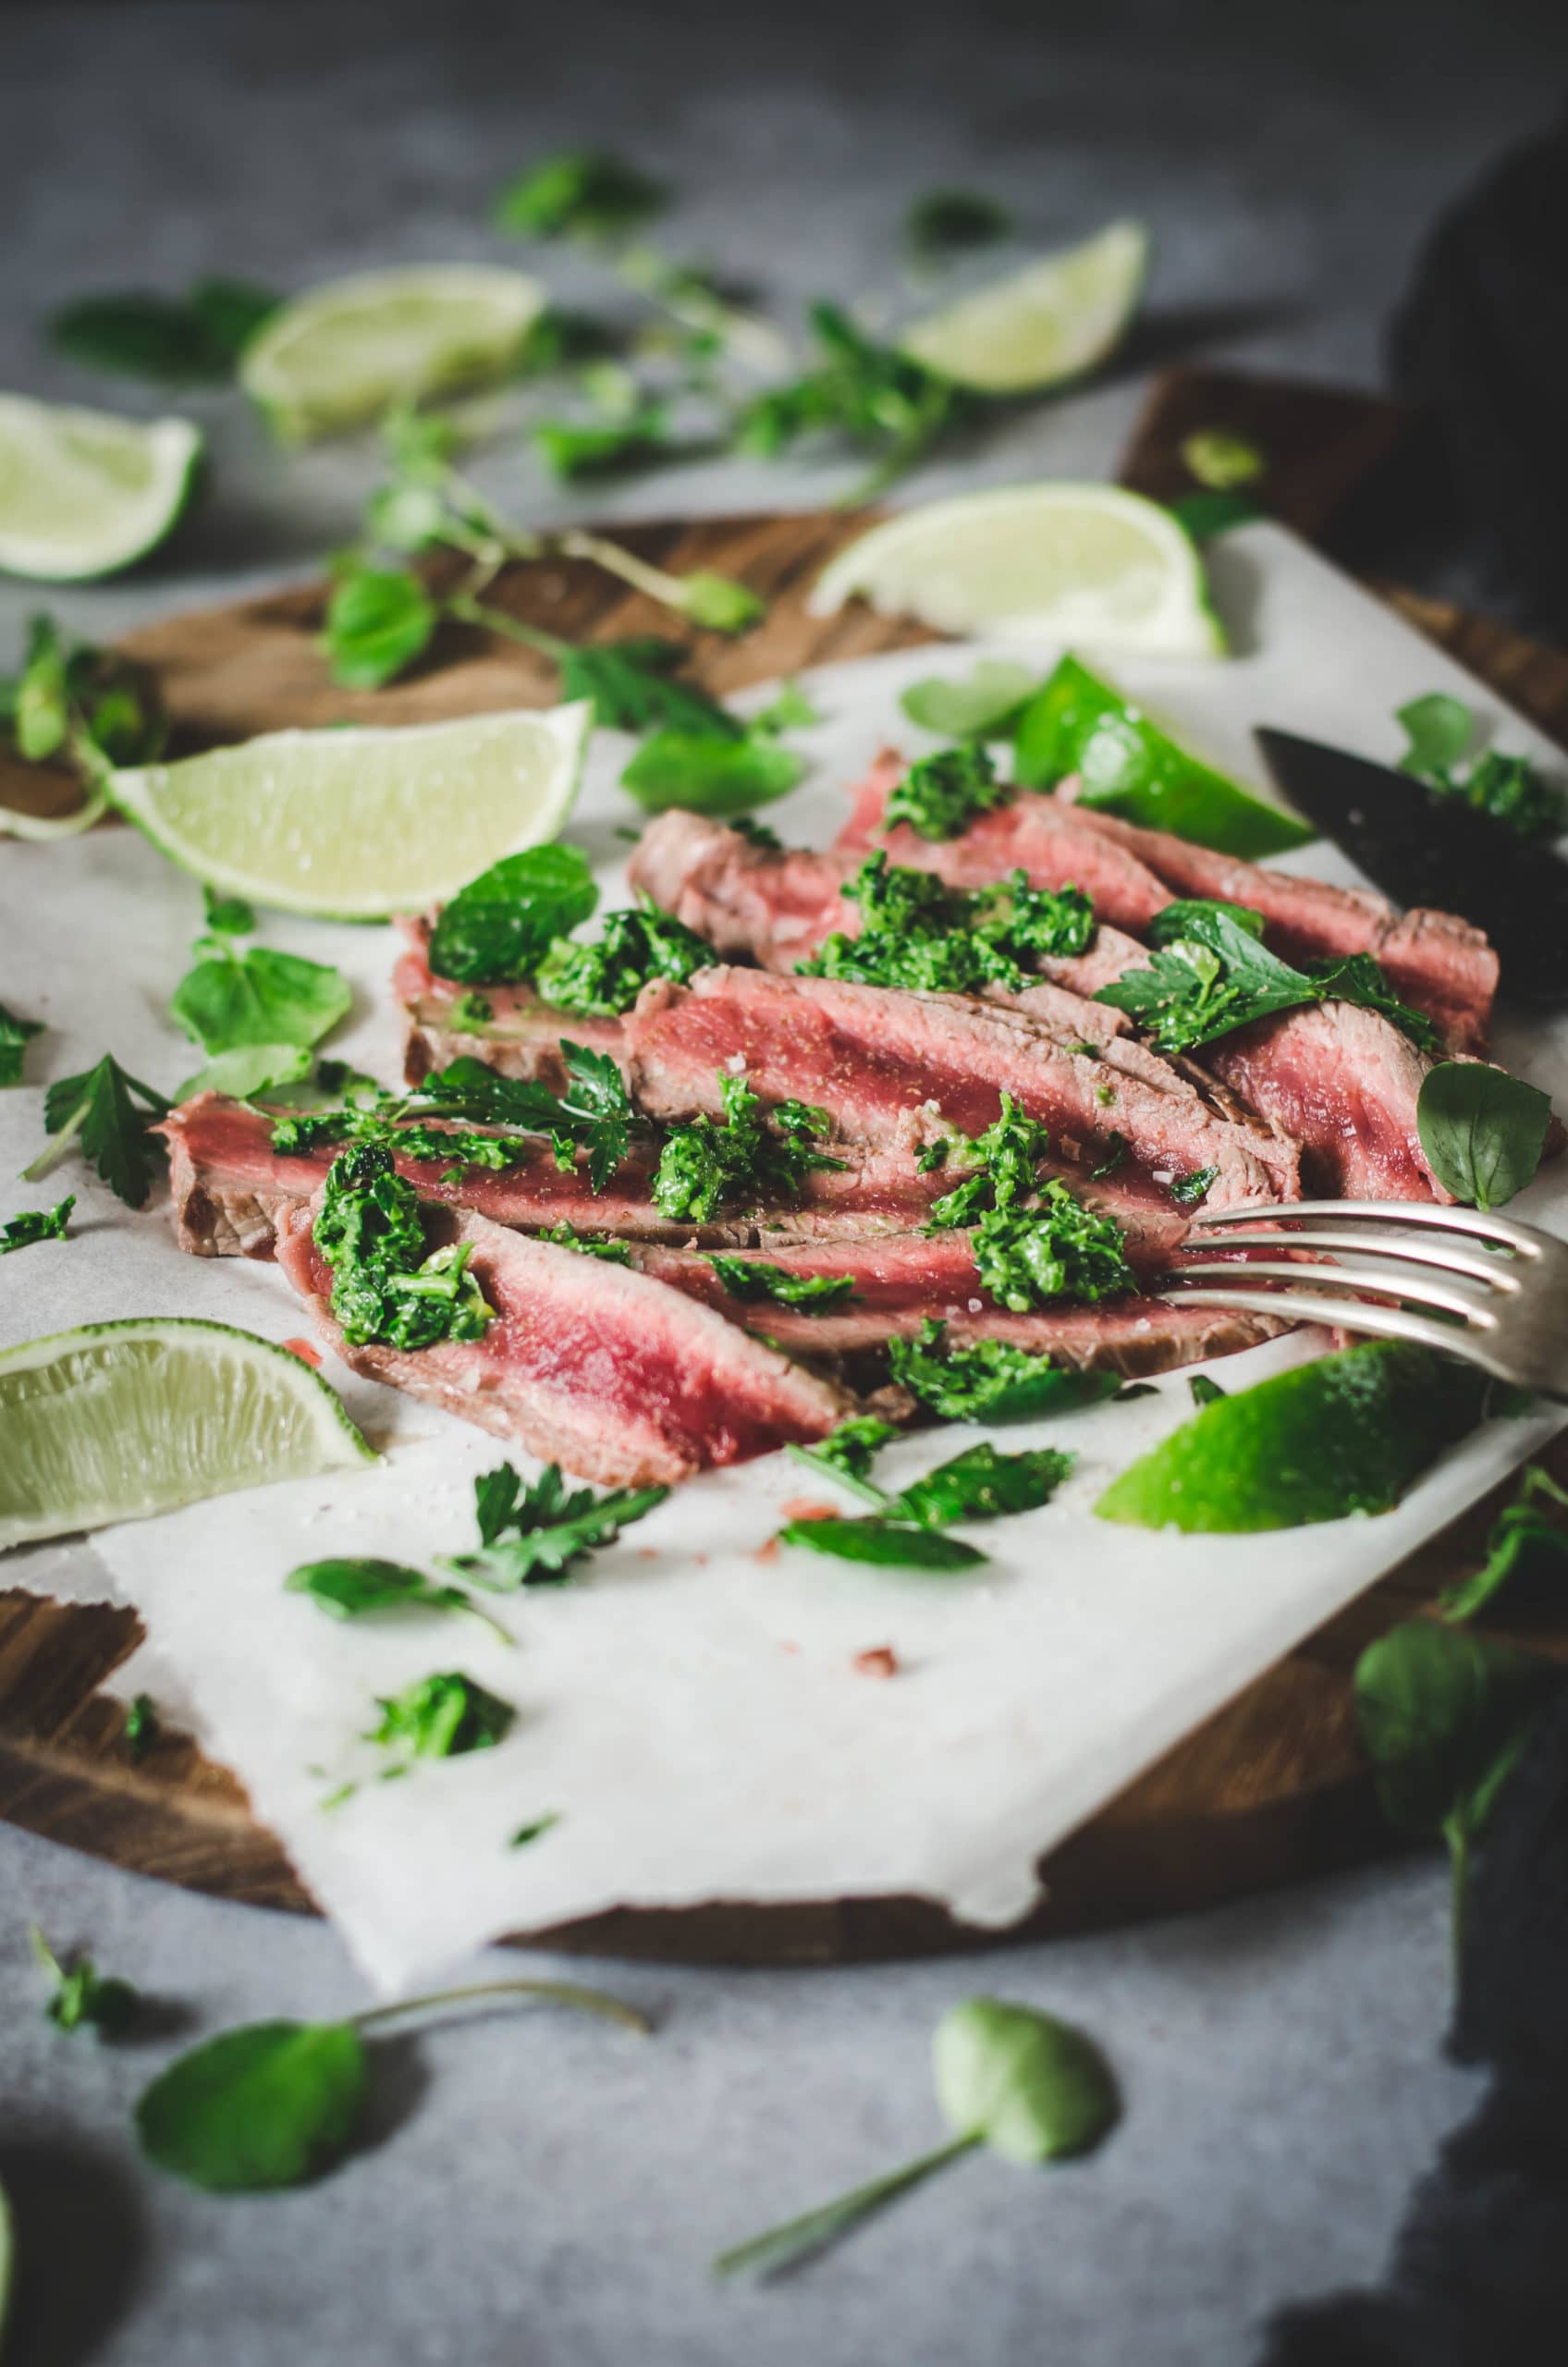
<point x="1505" y="1309"/>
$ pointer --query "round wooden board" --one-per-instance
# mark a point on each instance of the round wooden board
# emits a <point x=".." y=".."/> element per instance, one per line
<point x="1271" y="1787"/>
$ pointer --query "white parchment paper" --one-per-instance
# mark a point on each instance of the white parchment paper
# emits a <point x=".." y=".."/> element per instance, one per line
<point x="690" y="1710"/>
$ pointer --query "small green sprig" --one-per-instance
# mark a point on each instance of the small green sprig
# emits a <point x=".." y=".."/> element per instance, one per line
<point x="747" y="1154"/>
<point x="83" y="1996"/>
<point x="86" y="708"/>
<point x="35" y="1225"/>
<point x="109" y="1116"/>
<point x="535" y="1534"/>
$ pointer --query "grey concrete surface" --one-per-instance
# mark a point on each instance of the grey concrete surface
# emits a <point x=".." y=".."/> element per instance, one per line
<point x="543" y="2191"/>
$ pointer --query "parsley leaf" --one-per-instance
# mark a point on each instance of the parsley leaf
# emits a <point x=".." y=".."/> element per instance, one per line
<point x="1482" y="1130"/>
<point x="378" y="622"/>
<point x="711" y="773"/>
<point x="713" y="1164"/>
<point x="884" y="1543"/>
<point x="1527" y="1555"/>
<point x="36" y="1224"/>
<point x="939" y="796"/>
<point x="533" y="1533"/>
<point x="352" y="1588"/>
<point x="386" y="1284"/>
<point x="947" y="222"/>
<point x="82" y="1994"/>
<point x="15" y="1036"/>
<point x="1440" y="731"/>
<point x="1030" y="1258"/>
<point x="176" y="340"/>
<point x="499" y="928"/>
<point x="1188" y="1190"/>
<point x="753" y="1279"/>
<point x="1210" y="972"/>
<point x="442" y="1717"/>
<point x="990" y="1380"/>
<point x="918" y="933"/>
<point x="605" y="977"/>
<point x="109" y="1116"/>
<point x="869" y="394"/>
<point x="981" y="1484"/>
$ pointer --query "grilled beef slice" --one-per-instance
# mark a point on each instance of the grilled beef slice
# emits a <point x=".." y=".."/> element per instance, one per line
<point x="522" y="1037"/>
<point x="599" y="1368"/>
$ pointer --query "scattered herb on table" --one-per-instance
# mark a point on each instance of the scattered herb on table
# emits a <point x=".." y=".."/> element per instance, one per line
<point x="745" y="1156"/>
<point x="387" y="1284"/>
<point x="89" y="709"/>
<point x="499" y="928"/>
<point x="886" y="1544"/>
<point x="1483" y="1131"/>
<point x="82" y="1994"/>
<point x="533" y="1533"/>
<point x="35" y="1225"/>
<point x="1220" y="460"/>
<point x="442" y="1716"/>
<point x="1526" y="1556"/>
<point x="982" y="1484"/>
<point x="711" y="774"/>
<point x="1446" y="1715"/>
<point x="604" y="977"/>
<point x="920" y="934"/>
<point x="352" y="1588"/>
<point x="753" y="1279"/>
<point x="15" y="1036"/>
<point x="990" y="1380"/>
<point x="1440" y="730"/>
<point x="791" y="710"/>
<point x="379" y="620"/>
<point x="108" y="1115"/>
<point x="536" y="1831"/>
<point x="939" y="796"/>
<point x="1204" y="1391"/>
<point x="1211" y="973"/>
<point x="845" y="1455"/>
<point x="1033" y="2088"/>
<point x="863" y="392"/>
<point x="985" y="705"/>
<point x="947" y="222"/>
<point x="272" y="2104"/>
<point x="142" y="1726"/>
<point x="175" y="340"/>
<point x="273" y="1005"/>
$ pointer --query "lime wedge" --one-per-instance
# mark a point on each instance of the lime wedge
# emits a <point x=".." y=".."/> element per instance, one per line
<point x="355" y="825"/>
<point x="1075" y="723"/>
<point x="117" y="1420"/>
<point x="334" y="357"/>
<point x="84" y="493"/>
<point x="1348" y="1434"/>
<point x="1057" y="561"/>
<point x="1049" y="322"/>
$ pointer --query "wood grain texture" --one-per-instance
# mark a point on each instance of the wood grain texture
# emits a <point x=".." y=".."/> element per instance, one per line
<point x="1273" y="1786"/>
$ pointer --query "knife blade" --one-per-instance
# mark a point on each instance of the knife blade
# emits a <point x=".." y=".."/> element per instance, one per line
<point x="1420" y="847"/>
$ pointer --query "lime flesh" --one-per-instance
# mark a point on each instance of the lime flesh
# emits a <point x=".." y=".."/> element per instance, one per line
<point x="1056" y="561"/>
<point x="116" y="1421"/>
<point x="82" y="492"/>
<point x="1042" y="326"/>
<point x="356" y="825"/>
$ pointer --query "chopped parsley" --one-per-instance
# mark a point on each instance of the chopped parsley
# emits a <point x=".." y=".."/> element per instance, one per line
<point x="737" y="1158"/>
<point x="36" y="1224"/>
<point x="981" y="1484"/>
<point x="1440" y="729"/>
<point x="604" y="978"/>
<point x="752" y="1279"/>
<point x="473" y="1010"/>
<point x="1005" y="1160"/>
<point x="990" y="1380"/>
<point x="387" y="1284"/>
<point x="867" y="394"/>
<point x="1059" y="1250"/>
<point x="1188" y="1190"/>
<point x="441" y="1717"/>
<point x="918" y="933"/>
<point x="533" y="1533"/>
<point x="1211" y="973"/>
<point x="142" y="1726"/>
<point x="109" y="1116"/>
<point x="941" y="795"/>
<point x="566" y="1236"/>
<point x="845" y="1455"/>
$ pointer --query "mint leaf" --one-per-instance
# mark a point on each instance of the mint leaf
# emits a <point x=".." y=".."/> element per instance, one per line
<point x="1482" y="1131"/>
<point x="983" y="706"/>
<point x="191" y="340"/>
<point x="499" y="928"/>
<point x="259" y="998"/>
<point x="378" y="622"/>
<point x="710" y="773"/>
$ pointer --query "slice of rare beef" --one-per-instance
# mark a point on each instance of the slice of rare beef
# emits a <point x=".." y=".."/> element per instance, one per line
<point x="521" y="1038"/>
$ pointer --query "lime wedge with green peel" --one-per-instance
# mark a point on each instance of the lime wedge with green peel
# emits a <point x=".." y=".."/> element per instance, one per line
<point x="118" y="1420"/>
<point x="83" y="494"/>
<point x="335" y="357"/>
<point x="1055" y="562"/>
<point x="359" y="824"/>
<point x="1076" y="723"/>
<point x="1348" y="1434"/>
<point x="1050" y="321"/>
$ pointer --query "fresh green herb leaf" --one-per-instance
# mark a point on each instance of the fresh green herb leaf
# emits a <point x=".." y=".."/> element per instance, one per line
<point x="939" y="796"/>
<point x="1526" y="1561"/>
<point x="535" y="1832"/>
<point x="108" y="1115"/>
<point x="579" y="194"/>
<point x="227" y="916"/>
<point x="984" y="707"/>
<point x="501" y="925"/>
<point x="15" y="1036"/>
<point x="1061" y="1250"/>
<point x="142" y="1726"/>
<point x="444" y="1716"/>
<point x="533" y="1535"/>
<point x="1005" y="1160"/>
<point x="981" y="1484"/>
<point x="594" y="447"/>
<point x="1445" y="1716"/>
<point x="990" y="1380"/>
<point x="790" y="711"/>
<point x="605" y="977"/>
<point x="845" y="1455"/>
<point x="884" y="1543"/>
<point x="82" y="1994"/>
<point x="387" y="1284"/>
<point x="710" y="773"/>
<point x="1188" y="1190"/>
<point x="353" y="1587"/>
<point x="1116" y="1155"/>
<point x="1030" y="2088"/>
<point x="1483" y="1131"/>
<point x="714" y="1164"/>
<point x="36" y="1224"/>
<point x="258" y="996"/>
<point x="753" y="1279"/>
<point x="1439" y="730"/>
<point x="192" y="340"/>
<point x="920" y="934"/>
<point x="865" y="393"/>
<point x="1204" y="1391"/>
<point x="594" y="1113"/>
<point x="249" y="1072"/>
<point x="378" y="622"/>
<point x="947" y="222"/>
<point x="1222" y="460"/>
<point x="635" y="686"/>
<point x="90" y="707"/>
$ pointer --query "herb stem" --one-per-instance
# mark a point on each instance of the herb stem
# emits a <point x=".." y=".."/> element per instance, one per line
<point x="866" y="1490"/>
<point x="470" y="611"/>
<point x="796" y="2239"/>
<point x="49" y="1158"/>
<point x="555" y="1992"/>
<point x="576" y="541"/>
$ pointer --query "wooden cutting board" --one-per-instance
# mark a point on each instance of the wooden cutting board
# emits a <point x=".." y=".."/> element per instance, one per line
<point x="1271" y="1787"/>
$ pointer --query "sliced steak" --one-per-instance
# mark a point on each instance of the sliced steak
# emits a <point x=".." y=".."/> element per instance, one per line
<point x="588" y="1364"/>
<point x="522" y="1038"/>
<point x="1345" y="1083"/>
<point x="898" y="1071"/>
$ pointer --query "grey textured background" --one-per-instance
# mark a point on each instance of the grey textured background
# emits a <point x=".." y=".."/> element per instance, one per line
<point x="544" y="2191"/>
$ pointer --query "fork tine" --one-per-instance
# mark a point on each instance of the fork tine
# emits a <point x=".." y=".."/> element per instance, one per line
<point x="1520" y="1237"/>
<point x="1354" y="1315"/>
<point x="1344" y="1274"/>
<point x="1496" y="1276"/>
